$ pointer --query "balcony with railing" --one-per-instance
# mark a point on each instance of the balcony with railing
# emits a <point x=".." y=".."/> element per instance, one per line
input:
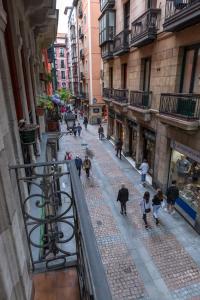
<point x="140" y="99"/>
<point x="84" y="95"/>
<point x="107" y="51"/>
<point x="180" y="14"/>
<point x="118" y="95"/>
<point x="82" y="76"/>
<point x="106" y="4"/>
<point x="80" y="33"/>
<point x="144" y="29"/>
<point x="80" y="11"/>
<point x="180" y="108"/>
<point x="121" y="43"/>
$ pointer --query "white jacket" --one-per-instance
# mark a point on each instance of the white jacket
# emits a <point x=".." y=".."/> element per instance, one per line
<point x="144" y="205"/>
<point x="144" y="168"/>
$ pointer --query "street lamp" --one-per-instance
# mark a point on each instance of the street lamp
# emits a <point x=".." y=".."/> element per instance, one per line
<point x="70" y="122"/>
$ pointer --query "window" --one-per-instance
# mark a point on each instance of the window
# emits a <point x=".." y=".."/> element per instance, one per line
<point x="191" y="70"/>
<point x="63" y="84"/>
<point x="61" y="52"/>
<point x="107" y="27"/>
<point x="110" y="77"/>
<point x="63" y="74"/>
<point x="151" y="4"/>
<point x="126" y="15"/>
<point x="124" y="76"/>
<point x="145" y="74"/>
<point x="62" y="64"/>
<point x="84" y="19"/>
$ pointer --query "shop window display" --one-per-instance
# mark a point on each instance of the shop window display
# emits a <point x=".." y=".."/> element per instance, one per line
<point x="186" y="172"/>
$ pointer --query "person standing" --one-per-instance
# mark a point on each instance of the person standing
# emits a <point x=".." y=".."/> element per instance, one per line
<point x="144" y="170"/>
<point x="87" y="166"/>
<point x="85" y="122"/>
<point x="172" y="195"/>
<point x="100" y="132"/>
<point x="118" y="147"/>
<point x="75" y="130"/>
<point x="78" y="163"/>
<point x="79" y="128"/>
<point x="156" y="203"/>
<point x="68" y="156"/>
<point x="122" y="197"/>
<point x="145" y="207"/>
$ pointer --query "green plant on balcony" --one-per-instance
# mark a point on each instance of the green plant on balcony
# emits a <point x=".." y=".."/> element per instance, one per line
<point x="65" y="95"/>
<point x="43" y="102"/>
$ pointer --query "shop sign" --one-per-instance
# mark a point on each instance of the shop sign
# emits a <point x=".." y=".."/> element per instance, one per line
<point x="96" y="110"/>
<point x="150" y="135"/>
<point x="194" y="154"/>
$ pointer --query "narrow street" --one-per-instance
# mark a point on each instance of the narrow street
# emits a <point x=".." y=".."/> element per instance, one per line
<point x="160" y="263"/>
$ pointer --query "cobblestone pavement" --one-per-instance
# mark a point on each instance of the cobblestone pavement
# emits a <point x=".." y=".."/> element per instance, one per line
<point x="160" y="263"/>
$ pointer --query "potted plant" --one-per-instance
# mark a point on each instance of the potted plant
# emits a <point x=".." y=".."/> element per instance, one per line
<point x="28" y="132"/>
<point x="53" y="118"/>
<point x="44" y="103"/>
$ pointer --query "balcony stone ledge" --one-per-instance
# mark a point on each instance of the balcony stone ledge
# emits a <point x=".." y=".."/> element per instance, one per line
<point x="187" y="125"/>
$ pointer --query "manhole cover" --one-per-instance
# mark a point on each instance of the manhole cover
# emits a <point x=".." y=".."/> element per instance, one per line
<point x="99" y="223"/>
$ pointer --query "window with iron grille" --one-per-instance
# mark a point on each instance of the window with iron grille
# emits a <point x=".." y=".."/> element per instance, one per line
<point x="63" y="74"/>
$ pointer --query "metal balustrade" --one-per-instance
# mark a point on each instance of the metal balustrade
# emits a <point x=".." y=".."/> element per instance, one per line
<point x="184" y="106"/>
<point x="121" y="42"/>
<point x="140" y="99"/>
<point x="105" y="4"/>
<point x="144" y="29"/>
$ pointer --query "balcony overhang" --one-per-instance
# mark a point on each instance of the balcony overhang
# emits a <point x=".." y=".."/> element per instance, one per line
<point x="108" y="4"/>
<point x="186" y="17"/>
<point x="186" y="125"/>
<point x="144" y="39"/>
<point x="143" y="113"/>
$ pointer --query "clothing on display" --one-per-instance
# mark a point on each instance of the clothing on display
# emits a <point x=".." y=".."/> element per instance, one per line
<point x="186" y="172"/>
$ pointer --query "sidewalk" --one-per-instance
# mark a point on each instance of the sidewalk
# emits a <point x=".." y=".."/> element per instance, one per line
<point x="157" y="264"/>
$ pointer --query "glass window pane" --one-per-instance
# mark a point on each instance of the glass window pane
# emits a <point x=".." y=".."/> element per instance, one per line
<point x="197" y="75"/>
<point x="188" y="71"/>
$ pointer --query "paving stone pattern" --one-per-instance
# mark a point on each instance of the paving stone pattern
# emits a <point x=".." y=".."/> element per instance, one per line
<point x="173" y="264"/>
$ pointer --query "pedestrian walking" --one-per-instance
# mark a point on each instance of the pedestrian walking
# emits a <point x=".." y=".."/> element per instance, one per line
<point x="79" y="128"/>
<point x="85" y="122"/>
<point x="100" y="132"/>
<point x="156" y="203"/>
<point x="144" y="170"/>
<point x="172" y="195"/>
<point x="118" y="148"/>
<point x="145" y="207"/>
<point x="68" y="156"/>
<point x="87" y="166"/>
<point x="122" y="197"/>
<point x="78" y="163"/>
<point x="75" y="130"/>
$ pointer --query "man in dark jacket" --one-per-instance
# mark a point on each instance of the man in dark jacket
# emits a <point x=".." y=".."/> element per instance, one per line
<point x="172" y="195"/>
<point x="123" y="195"/>
<point x="118" y="147"/>
<point x="78" y="163"/>
<point x="100" y="132"/>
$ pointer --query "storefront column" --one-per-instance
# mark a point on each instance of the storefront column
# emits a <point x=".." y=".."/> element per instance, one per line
<point x="139" y="146"/>
<point x="115" y="129"/>
<point x="108" y="128"/>
<point x="126" y="138"/>
<point x="161" y="166"/>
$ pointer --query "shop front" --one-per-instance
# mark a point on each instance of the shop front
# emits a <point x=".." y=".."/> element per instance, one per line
<point x="111" y="123"/>
<point x="185" y="169"/>
<point x="132" y="128"/>
<point x="149" y="145"/>
<point x="119" y="127"/>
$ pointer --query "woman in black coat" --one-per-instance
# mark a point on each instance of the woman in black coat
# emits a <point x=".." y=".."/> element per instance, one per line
<point x="123" y="195"/>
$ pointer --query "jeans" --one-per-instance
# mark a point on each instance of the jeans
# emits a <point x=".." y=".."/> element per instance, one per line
<point x="155" y="210"/>
<point x="143" y="177"/>
<point x="119" y="152"/>
<point x="79" y="171"/>
<point x="123" y="207"/>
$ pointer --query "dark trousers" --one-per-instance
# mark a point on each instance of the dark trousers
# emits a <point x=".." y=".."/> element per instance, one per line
<point x="79" y="171"/>
<point x="145" y="218"/>
<point x="123" y="207"/>
<point x="87" y="171"/>
<point x="119" y="151"/>
<point x="100" y="135"/>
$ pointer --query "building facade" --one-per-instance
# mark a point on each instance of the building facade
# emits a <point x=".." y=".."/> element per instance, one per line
<point x="25" y="29"/>
<point x="151" y="86"/>
<point x="60" y="50"/>
<point x="86" y="59"/>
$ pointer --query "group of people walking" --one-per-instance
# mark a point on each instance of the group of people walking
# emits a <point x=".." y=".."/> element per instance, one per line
<point x="148" y="206"/>
<point x="80" y="164"/>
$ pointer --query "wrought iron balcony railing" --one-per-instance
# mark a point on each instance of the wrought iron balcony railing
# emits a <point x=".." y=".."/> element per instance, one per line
<point x="107" y="93"/>
<point x="105" y="4"/>
<point x="184" y="106"/>
<point x="84" y="95"/>
<point x="180" y="14"/>
<point x="121" y="43"/>
<point x="144" y="29"/>
<point x="107" y="51"/>
<point x="120" y="95"/>
<point x="58" y="233"/>
<point x="81" y="35"/>
<point x="140" y="99"/>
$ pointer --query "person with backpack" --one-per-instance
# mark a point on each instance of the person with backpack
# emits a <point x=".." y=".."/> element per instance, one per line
<point x="156" y="203"/>
<point x="100" y="132"/>
<point x="122" y="197"/>
<point x="145" y="207"/>
<point x="172" y="195"/>
<point x="85" y="122"/>
<point x="87" y="166"/>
